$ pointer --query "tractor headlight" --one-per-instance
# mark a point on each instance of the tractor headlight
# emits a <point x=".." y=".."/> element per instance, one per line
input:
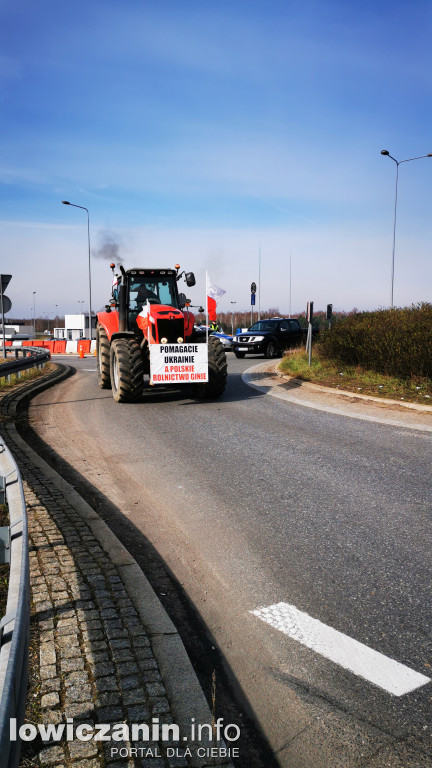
<point x="164" y="340"/>
<point x="180" y="340"/>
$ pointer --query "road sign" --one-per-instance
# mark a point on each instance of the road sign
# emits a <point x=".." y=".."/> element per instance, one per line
<point x="329" y="312"/>
<point x="5" y="280"/>
<point x="309" y="311"/>
<point x="5" y="304"/>
<point x="253" y="288"/>
<point x="252" y="299"/>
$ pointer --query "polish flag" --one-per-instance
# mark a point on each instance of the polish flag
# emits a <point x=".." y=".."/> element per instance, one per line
<point x="214" y="293"/>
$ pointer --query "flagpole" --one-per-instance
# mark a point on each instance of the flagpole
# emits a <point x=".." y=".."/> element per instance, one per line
<point x="206" y="306"/>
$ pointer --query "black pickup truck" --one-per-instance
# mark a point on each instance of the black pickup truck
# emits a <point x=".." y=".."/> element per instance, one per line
<point x="270" y="337"/>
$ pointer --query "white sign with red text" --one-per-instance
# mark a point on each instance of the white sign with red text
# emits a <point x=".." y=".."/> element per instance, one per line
<point x="178" y="363"/>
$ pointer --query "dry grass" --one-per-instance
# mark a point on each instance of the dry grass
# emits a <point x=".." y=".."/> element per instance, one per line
<point x="4" y="569"/>
<point x="30" y="375"/>
<point x="356" y="379"/>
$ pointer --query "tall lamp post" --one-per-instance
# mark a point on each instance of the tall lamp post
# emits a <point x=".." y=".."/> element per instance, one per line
<point x="34" y="314"/>
<point x="82" y="314"/>
<point x="66" y="202"/>
<point x="398" y="163"/>
<point x="232" y="318"/>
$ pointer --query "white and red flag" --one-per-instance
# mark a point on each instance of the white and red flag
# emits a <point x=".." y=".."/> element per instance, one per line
<point x="213" y="293"/>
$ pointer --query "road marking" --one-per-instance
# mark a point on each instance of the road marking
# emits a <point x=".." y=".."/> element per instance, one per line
<point x="373" y="666"/>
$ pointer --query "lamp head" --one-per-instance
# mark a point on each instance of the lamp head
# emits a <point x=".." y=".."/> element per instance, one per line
<point x="385" y="152"/>
<point x="65" y="202"/>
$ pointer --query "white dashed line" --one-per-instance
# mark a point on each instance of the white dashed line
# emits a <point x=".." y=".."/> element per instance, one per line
<point x="371" y="665"/>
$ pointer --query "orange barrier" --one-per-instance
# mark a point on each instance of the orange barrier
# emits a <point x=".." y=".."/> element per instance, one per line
<point x="59" y="346"/>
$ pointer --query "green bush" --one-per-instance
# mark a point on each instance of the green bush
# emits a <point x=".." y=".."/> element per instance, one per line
<point x="397" y="342"/>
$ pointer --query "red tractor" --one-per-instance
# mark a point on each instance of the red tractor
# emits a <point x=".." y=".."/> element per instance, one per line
<point x="148" y="330"/>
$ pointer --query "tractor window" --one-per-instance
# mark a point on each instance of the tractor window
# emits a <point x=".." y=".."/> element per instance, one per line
<point x="157" y="290"/>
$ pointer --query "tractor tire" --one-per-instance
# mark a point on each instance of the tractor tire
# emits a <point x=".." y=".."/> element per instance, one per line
<point x="103" y="359"/>
<point x="127" y="371"/>
<point x="217" y="371"/>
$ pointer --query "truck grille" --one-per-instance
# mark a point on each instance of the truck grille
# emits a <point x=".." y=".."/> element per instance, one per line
<point x="170" y="329"/>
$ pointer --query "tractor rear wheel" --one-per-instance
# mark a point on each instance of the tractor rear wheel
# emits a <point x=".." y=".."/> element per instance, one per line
<point x="217" y="371"/>
<point x="127" y="371"/>
<point x="103" y="359"/>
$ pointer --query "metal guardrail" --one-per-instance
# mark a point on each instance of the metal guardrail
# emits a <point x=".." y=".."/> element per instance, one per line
<point x="32" y="357"/>
<point x="14" y="626"/>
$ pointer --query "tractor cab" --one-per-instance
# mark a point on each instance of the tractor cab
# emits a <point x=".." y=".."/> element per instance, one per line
<point x="150" y="286"/>
<point x="136" y="289"/>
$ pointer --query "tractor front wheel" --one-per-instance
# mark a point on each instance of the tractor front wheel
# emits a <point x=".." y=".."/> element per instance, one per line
<point x="127" y="371"/>
<point x="103" y="359"/>
<point x="217" y="371"/>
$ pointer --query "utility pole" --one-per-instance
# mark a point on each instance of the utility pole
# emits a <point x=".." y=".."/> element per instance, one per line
<point x="259" y="284"/>
<point x="290" y="288"/>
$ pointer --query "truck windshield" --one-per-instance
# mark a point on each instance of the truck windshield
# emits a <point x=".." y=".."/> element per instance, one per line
<point x="264" y="325"/>
<point x="159" y="289"/>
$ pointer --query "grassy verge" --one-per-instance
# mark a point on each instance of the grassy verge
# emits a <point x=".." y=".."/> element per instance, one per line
<point x="330" y="373"/>
<point x="4" y="568"/>
<point x="32" y="373"/>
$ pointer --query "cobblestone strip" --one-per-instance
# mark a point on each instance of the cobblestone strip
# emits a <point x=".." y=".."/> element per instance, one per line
<point x="96" y="662"/>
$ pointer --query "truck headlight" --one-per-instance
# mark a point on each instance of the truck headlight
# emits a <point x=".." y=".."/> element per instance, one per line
<point x="180" y="340"/>
<point x="164" y="340"/>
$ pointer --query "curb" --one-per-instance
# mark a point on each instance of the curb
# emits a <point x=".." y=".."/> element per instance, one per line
<point x="184" y="692"/>
<point x="260" y="378"/>
<point x="347" y="393"/>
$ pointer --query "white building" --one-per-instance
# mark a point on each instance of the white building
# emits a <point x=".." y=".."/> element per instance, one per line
<point x="13" y="330"/>
<point x="76" y="328"/>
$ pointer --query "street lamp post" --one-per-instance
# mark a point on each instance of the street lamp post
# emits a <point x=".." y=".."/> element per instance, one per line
<point x="398" y="163"/>
<point x="82" y="315"/>
<point x="34" y="315"/>
<point x="232" y="318"/>
<point x="66" y="202"/>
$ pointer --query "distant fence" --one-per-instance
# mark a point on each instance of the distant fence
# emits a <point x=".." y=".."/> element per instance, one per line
<point x="14" y="626"/>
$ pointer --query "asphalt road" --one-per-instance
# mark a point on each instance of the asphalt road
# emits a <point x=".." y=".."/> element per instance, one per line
<point x="252" y="502"/>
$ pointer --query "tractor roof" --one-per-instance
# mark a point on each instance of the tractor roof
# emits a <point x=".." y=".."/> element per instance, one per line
<point x="146" y="272"/>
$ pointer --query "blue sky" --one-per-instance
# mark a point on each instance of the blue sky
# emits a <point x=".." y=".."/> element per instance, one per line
<point x="201" y="132"/>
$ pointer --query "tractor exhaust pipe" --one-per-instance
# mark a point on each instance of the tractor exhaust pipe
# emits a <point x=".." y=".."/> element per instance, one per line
<point x="122" y="301"/>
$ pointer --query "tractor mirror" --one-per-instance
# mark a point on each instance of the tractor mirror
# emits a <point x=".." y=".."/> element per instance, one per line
<point x="182" y="299"/>
<point x="190" y="279"/>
